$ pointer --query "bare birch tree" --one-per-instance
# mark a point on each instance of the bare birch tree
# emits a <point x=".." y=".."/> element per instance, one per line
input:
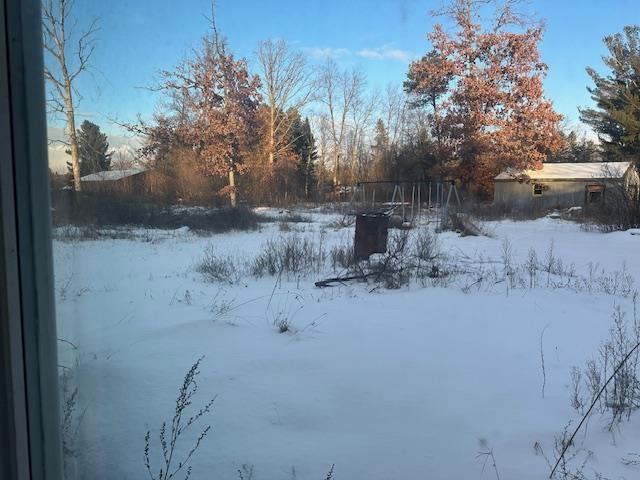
<point x="287" y="84"/>
<point x="338" y="91"/>
<point x="68" y="54"/>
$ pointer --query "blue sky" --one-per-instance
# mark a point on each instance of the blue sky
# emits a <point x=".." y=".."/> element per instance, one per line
<point x="140" y="37"/>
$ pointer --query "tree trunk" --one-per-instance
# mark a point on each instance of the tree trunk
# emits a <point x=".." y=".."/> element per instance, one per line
<point x="232" y="187"/>
<point x="436" y="117"/>
<point x="272" y="146"/>
<point x="71" y="130"/>
<point x="272" y="137"/>
<point x="307" y="178"/>
<point x="336" y="169"/>
<point x="75" y="160"/>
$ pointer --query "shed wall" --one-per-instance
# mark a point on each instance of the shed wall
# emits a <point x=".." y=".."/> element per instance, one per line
<point x="558" y="193"/>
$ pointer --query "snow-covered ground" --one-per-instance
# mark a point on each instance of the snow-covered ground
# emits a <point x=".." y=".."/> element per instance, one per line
<point x="385" y="384"/>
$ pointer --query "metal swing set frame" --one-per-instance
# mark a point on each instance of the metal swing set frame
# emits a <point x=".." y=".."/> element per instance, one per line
<point x="429" y="200"/>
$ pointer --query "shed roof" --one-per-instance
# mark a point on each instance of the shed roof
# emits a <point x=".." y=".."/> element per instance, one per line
<point x="571" y="171"/>
<point x="110" y="175"/>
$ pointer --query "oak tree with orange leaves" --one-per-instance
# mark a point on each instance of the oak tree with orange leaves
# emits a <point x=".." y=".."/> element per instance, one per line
<point x="485" y="77"/>
<point x="221" y="102"/>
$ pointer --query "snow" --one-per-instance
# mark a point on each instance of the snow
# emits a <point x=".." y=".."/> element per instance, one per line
<point x="384" y="384"/>
<point x="571" y="171"/>
<point x="110" y="175"/>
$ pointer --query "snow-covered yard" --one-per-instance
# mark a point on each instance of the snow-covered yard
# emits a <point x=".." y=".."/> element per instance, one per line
<point x="385" y="384"/>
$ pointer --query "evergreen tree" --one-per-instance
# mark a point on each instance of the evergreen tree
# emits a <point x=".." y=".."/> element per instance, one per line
<point x="93" y="149"/>
<point x="380" y="149"/>
<point x="576" y="150"/>
<point x="304" y="146"/>
<point x="616" y="118"/>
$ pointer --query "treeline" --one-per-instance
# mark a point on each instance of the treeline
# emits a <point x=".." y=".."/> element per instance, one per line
<point x="471" y="107"/>
<point x="288" y="133"/>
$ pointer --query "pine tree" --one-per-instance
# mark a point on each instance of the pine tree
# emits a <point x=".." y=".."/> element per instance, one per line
<point x="429" y="92"/>
<point x="380" y="149"/>
<point x="93" y="149"/>
<point x="576" y="150"/>
<point x="616" y="118"/>
<point x="305" y="148"/>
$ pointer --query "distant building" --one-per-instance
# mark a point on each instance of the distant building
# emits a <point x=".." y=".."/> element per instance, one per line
<point x="562" y="185"/>
<point x="116" y="181"/>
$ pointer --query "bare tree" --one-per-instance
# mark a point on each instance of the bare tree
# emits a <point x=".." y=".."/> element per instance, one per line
<point x="123" y="160"/>
<point x="63" y="66"/>
<point x="339" y="90"/>
<point x="361" y="115"/>
<point x="321" y="127"/>
<point x="287" y="84"/>
<point x="394" y="111"/>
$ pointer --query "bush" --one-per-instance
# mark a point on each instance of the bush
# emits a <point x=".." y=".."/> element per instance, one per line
<point x="294" y="217"/>
<point x="342" y="256"/>
<point x="217" y="221"/>
<point x="621" y="397"/>
<point x="86" y="209"/>
<point x="621" y="211"/>
<point x="284" y="227"/>
<point x="425" y="245"/>
<point x="288" y="255"/>
<point x="344" y="221"/>
<point x="395" y="267"/>
<point x="69" y="233"/>
<point x="216" y="268"/>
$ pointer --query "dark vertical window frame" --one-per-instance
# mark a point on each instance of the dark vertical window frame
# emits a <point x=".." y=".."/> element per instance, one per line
<point x="29" y="391"/>
<point x="14" y="459"/>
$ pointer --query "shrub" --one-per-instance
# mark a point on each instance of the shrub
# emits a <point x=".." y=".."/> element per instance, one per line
<point x="342" y="256"/>
<point x="344" y="221"/>
<point x="294" y="217"/>
<point x="395" y="267"/>
<point x="99" y="210"/>
<point x="620" y="211"/>
<point x="70" y="233"/>
<point x="425" y="245"/>
<point x="621" y="396"/>
<point x="288" y="255"/>
<point x="217" y="221"/>
<point x="568" y="458"/>
<point x="216" y="268"/>
<point x="284" y="227"/>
